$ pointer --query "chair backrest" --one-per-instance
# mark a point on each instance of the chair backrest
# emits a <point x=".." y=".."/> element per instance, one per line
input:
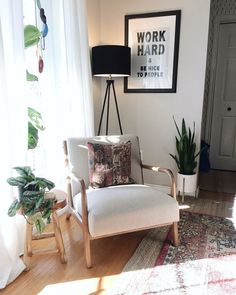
<point x="78" y="155"/>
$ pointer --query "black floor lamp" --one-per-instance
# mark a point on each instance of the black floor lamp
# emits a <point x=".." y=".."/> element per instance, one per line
<point x="110" y="61"/>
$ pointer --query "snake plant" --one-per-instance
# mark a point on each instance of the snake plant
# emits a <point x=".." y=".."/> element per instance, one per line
<point x="186" y="149"/>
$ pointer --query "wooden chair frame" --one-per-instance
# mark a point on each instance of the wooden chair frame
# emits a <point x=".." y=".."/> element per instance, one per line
<point x="83" y="221"/>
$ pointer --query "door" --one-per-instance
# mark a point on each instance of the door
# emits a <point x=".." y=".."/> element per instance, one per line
<point x="223" y="129"/>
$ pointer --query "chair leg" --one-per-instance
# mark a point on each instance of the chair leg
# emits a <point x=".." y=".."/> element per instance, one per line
<point x="175" y="234"/>
<point x="87" y="249"/>
<point x="58" y="237"/>
<point x="29" y="229"/>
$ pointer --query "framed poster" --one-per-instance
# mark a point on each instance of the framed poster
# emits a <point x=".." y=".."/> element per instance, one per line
<point x="154" y="42"/>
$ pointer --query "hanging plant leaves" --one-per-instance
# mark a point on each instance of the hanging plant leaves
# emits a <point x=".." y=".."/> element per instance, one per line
<point x="32" y="136"/>
<point x="36" y="118"/>
<point x="32" y="35"/>
<point x="31" y="77"/>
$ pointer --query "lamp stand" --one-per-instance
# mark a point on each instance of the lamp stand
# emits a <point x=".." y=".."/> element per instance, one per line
<point x="110" y="83"/>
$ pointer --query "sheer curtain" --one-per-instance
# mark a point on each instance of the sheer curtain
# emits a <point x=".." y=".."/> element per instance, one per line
<point x="67" y="105"/>
<point x="13" y="130"/>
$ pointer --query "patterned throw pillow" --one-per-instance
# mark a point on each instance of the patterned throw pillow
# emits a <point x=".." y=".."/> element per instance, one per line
<point x="109" y="164"/>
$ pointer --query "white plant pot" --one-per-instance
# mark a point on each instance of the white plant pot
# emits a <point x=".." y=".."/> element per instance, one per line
<point x="187" y="183"/>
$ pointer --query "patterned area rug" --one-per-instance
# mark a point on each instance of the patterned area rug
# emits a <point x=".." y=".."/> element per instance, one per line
<point x="204" y="263"/>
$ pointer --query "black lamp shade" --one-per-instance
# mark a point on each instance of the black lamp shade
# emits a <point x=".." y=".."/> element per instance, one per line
<point x="111" y="61"/>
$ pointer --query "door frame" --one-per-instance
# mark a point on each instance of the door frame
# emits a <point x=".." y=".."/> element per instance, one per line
<point x="210" y="99"/>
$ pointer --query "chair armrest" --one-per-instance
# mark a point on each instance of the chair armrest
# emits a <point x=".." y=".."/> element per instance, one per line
<point x="166" y="171"/>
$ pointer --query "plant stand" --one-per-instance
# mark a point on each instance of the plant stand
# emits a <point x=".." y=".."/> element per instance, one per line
<point x="29" y="237"/>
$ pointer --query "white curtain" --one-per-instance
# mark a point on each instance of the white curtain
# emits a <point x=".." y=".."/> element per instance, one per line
<point x="66" y="105"/>
<point x="66" y="82"/>
<point x="13" y="130"/>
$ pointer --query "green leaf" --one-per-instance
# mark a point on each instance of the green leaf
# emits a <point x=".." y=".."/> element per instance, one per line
<point x="32" y="185"/>
<point x="31" y="35"/>
<point x="31" y="77"/>
<point x="189" y="137"/>
<point x="38" y="222"/>
<point x="32" y="136"/>
<point x="176" y="160"/>
<point x="13" y="208"/>
<point x="178" y="144"/>
<point x="47" y="213"/>
<point x="184" y="131"/>
<point x="28" y="203"/>
<point x="36" y="119"/>
<point x="33" y="194"/>
<point x="39" y="202"/>
<point x="24" y="171"/>
<point x="45" y="183"/>
<point x="176" y="126"/>
<point x="28" y="207"/>
<point x="48" y="203"/>
<point x="17" y="181"/>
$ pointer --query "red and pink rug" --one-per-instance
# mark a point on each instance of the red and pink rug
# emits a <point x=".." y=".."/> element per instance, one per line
<point x="204" y="263"/>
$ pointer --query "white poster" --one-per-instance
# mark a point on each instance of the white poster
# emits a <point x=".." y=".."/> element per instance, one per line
<point x="153" y="39"/>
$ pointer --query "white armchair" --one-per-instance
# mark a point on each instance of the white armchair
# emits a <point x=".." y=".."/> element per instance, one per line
<point x="118" y="209"/>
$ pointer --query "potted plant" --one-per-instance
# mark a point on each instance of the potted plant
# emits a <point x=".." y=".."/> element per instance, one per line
<point x="186" y="159"/>
<point x="34" y="200"/>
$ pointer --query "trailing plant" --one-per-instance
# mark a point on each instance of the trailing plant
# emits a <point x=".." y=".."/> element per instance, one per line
<point x="35" y="124"/>
<point x="32" y="203"/>
<point x="186" y="149"/>
<point x="32" y="37"/>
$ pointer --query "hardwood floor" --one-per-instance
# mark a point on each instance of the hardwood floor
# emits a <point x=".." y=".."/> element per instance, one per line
<point x="218" y="181"/>
<point x="48" y="276"/>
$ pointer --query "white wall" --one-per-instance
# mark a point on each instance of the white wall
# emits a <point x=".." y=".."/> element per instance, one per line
<point x="150" y="115"/>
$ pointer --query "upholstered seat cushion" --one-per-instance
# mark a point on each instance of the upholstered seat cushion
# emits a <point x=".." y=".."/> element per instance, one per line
<point x="124" y="208"/>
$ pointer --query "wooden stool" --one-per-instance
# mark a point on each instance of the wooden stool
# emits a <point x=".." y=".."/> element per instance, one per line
<point x="60" y="203"/>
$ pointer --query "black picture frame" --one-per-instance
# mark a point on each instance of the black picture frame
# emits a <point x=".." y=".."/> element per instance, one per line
<point x="154" y="42"/>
